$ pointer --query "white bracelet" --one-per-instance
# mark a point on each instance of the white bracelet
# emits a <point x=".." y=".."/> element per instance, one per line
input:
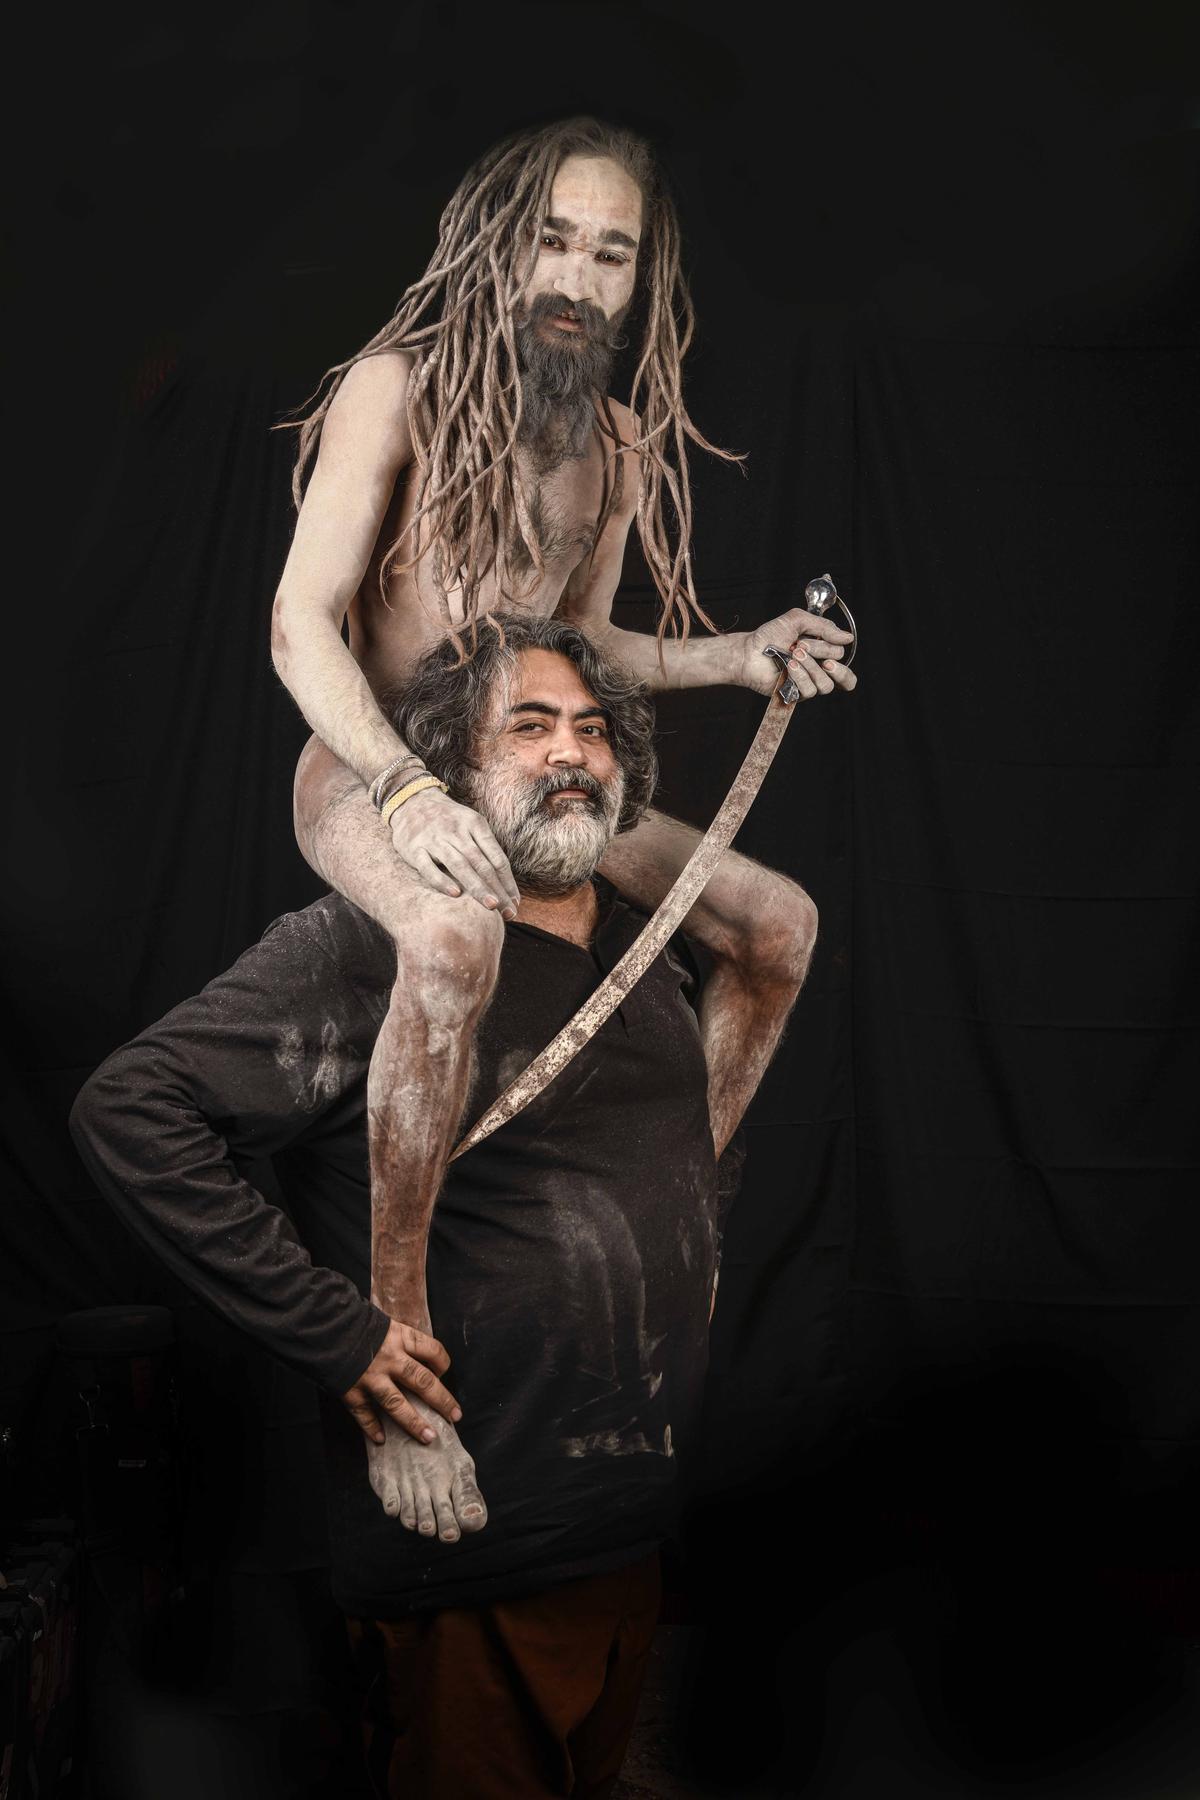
<point x="376" y="789"/>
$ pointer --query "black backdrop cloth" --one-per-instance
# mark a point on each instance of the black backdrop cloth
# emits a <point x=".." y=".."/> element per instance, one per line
<point x="947" y="306"/>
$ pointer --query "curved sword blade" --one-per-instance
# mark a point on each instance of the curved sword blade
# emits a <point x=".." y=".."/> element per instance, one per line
<point x="642" y="952"/>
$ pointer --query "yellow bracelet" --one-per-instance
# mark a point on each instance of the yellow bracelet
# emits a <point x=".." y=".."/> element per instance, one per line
<point x="418" y="786"/>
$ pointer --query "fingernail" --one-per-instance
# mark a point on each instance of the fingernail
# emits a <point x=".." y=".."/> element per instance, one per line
<point x="456" y="1414"/>
<point x="456" y="893"/>
<point x="428" y="1436"/>
<point x="490" y="900"/>
<point x="831" y="664"/>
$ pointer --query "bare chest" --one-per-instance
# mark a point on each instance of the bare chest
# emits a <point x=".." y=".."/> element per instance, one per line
<point x="565" y="509"/>
<point x="565" y="502"/>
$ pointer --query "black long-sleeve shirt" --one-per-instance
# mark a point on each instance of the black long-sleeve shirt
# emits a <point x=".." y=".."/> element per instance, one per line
<point x="571" y="1255"/>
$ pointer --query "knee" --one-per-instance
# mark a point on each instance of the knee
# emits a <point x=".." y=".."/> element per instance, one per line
<point x="321" y="782"/>
<point x="447" y="959"/>
<point x="785" y="935"/>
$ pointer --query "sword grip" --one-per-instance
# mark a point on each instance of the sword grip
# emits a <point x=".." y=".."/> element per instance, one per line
<point x="787" y="691"/>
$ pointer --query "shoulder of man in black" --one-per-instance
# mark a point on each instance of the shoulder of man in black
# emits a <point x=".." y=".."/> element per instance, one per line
<point x="348" y="943"/>
<point x="361" y="955"/>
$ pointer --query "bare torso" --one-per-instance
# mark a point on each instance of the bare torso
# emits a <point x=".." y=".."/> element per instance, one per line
<point x="389" y="630"/>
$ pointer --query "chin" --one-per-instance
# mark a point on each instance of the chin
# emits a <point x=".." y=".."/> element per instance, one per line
<point x="545" y="889"/>
<point x="558" y="864"/>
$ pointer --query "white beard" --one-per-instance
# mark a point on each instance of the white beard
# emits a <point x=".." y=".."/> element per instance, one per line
<point x="552" y="846"/>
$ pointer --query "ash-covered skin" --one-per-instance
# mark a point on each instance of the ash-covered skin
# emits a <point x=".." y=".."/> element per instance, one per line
<point x="430" y="1488"/>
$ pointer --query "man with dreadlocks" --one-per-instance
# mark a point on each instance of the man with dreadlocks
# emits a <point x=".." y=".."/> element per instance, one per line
<point x="469" y="458"/>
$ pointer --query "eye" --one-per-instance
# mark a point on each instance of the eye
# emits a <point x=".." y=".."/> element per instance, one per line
<point x="550" y="242"/>
<point x="607" y="256"/>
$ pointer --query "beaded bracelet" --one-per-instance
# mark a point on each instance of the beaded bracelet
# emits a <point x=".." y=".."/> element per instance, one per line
<point x="395" y="801"/>
<point x="376" y="792"/>
<point x="389" y="787"/>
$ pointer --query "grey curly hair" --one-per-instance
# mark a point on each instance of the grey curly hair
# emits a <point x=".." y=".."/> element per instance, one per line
<point x="441" y="711"/>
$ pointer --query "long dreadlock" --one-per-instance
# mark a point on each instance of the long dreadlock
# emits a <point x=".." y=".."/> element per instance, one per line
<point x="464" y="392"/>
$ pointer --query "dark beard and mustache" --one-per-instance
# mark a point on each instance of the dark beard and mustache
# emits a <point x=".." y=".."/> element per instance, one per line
<point x="560" y="371"/>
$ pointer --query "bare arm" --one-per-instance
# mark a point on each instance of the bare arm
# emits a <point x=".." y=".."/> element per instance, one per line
<point x="733" y="659"/>
<point x="759" y="928"/>
<point x="587" y="599"/>
<point x="743" y="1010"/>
<point x="364" y="448"/>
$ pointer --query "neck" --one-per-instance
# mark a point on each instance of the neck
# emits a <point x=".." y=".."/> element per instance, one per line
<point x="571" y="916"/>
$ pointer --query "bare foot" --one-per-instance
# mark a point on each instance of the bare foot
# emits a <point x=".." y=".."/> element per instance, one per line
<point x="428" y="1487"/>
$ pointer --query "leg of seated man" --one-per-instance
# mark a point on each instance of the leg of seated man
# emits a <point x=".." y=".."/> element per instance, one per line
<point x="447" y="958"/>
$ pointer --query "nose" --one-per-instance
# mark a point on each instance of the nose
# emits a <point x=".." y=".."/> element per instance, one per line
<point x="575" y="278"/>
<point x="565" y="750"/>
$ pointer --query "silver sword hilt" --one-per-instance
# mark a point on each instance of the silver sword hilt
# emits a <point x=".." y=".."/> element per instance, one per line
<point x="819" y="596"/>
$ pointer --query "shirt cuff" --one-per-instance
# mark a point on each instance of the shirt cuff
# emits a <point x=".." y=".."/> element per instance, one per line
<point x="361" y="1349"/>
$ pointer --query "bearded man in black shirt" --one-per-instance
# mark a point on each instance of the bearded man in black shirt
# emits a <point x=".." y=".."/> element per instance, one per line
<point x="569" y="1265"/>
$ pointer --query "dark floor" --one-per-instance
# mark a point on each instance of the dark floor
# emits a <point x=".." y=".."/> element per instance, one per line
<point x="886" y="1694"/>
<point x="882" y="1726"/>
<point x="651" y="1767"/>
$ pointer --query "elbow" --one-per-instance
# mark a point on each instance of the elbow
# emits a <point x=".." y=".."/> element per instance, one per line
<point x="803" y="938"/>
<point x="86" y="1121"/>
<point x="785" y="933"/>
<point x="79" y="1122"/>
<point x="100" y="1118"/>
<point x="304" y="628"/>
<point x="280" y="646"/>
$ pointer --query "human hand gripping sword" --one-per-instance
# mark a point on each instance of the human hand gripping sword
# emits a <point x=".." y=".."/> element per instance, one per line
<point x="819" y="596"/>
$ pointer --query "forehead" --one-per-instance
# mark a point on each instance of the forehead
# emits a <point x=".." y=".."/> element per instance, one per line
<point x="595" y="192"/>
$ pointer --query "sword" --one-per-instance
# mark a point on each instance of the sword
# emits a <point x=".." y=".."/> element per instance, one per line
<point x="819" y="595"/>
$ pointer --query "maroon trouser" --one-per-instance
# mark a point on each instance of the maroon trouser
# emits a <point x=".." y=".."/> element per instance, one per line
<point x="515" y="1701"/>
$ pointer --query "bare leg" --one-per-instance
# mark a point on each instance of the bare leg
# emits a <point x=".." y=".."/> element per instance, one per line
<point x="447" y="957"/>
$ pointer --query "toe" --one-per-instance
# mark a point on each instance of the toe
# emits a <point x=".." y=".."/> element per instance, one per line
<point x="389" y="1493"/>
<point x="408" y="1507"/>
<point x="469" y="1507"/>
<point x="447" y="1523"/>
<point x="426" y="1523"/>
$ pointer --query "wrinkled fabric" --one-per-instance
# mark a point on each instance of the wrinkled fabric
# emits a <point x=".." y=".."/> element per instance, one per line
<point x="571" y="1257"/>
